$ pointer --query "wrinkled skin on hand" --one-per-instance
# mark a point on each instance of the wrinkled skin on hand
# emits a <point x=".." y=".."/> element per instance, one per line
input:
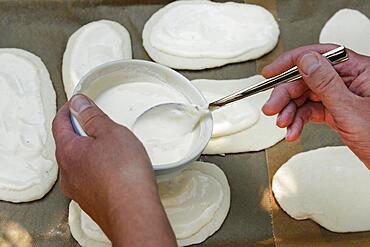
<point x="109" y="174"/>
<point x="338" y="95"/>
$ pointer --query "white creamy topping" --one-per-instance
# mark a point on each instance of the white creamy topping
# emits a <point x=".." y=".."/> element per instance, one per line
<point x="92" y="45"/>
<point x="191" y="201"/>
<point x="91" y="229"/>
<point x="350" y="28"/>
<point x="24" y="161"/>
<point x="329" y="185"/>
<point x="165" y="126"/>
<point x="126" y="102"/>
<point x="232" y="118"/>
<point x="254" y="133"/>
<point x="200" y="29"/>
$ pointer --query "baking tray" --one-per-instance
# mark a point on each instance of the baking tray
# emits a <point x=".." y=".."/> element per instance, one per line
<point x="43" y="28"/>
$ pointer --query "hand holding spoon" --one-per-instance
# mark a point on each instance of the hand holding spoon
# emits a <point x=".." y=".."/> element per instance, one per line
<point x="192" y="114"/>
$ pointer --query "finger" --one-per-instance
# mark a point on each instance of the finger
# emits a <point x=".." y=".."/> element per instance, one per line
<point x="282" y="95"/>
<point x="288" y="60"/>
<point x="286" y="116"/>
<point x="309" y="111"/>
<point x="302" y="99"/>
<point x="62" y="128"/>
<point x="324" y="81"/>
<point x="91" y="118"/>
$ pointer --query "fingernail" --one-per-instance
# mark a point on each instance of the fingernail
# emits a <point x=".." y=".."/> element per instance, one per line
<point x="79" y="103"/>
<point x="309" y="63"/>
<point x="288" y="133"/>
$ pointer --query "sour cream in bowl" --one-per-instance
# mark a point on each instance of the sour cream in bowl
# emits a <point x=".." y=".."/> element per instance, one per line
<point x="125" y="89"/>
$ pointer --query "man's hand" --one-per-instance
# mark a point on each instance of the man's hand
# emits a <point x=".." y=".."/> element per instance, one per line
<point x="338" y="95"/>
<point x="110" y="176"/>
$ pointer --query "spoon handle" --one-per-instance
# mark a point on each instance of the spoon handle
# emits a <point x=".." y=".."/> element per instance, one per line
<point x="335" y="56"/>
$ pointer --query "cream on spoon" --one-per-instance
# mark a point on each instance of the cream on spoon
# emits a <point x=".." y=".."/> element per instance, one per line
<point x="174" y="120"/>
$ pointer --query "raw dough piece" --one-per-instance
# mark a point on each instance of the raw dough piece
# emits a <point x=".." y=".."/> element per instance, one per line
<point x="261" y="134"/>
<point x="193" y="216"/>
<point x="92" y="45"/>
<point x="328" y="185"/>
<point x="350" y="28"/>
<point x="27" y="108"/>
<point x="199" y="34"/>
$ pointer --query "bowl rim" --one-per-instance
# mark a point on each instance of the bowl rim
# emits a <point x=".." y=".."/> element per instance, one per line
<point x="161" y="69"/>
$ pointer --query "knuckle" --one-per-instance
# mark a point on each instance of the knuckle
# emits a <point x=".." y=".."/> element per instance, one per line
<point x="325" y="82"/>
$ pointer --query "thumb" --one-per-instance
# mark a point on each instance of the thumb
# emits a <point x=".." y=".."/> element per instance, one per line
<point x="91" y="118"/>
<point x="323" y="80"/>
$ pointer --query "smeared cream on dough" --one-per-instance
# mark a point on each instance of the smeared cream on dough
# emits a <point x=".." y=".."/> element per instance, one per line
<point x="256" y="132"/>
<point x="92" y="45"/>
<point x="350" y="28"/>
<point x="328" y="185"/>
<point x="196" y="202"/>
<point x="27" y="107"/>
<point x="198" y="34"/>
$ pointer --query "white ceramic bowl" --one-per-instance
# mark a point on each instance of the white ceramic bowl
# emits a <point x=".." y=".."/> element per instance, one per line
<point x="112" y="74"/>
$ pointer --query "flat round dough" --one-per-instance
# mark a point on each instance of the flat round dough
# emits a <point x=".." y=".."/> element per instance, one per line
<point x="92" y="45"/>
<point x="199" y="34"/>
<point x="196" y="201"/>
<point x="329" y="186"/>
<point x="260" y="135"/>
<point x="27" y="108"/>
<point x="350" y="28"/>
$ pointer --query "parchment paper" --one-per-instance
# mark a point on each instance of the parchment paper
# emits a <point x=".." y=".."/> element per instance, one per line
<point x="44" y="26"/>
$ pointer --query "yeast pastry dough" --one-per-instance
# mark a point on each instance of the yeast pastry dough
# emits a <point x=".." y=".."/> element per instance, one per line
<point x="27" y="108"/>
<point x="350" y="28"/>
<point x="329" y="186"/>
<point x="199" y="34"/>
<point x="241" y="126"/>
<point x="196" y="201"/>
<point x="92" y="45"/>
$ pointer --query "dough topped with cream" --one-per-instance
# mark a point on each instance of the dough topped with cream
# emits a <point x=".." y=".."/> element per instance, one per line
<point x="350" y="28"/>
<point x="329" y="186"/>
<point x="198" y="34"/>
<point x="92" y="45"/>
<point x="240" y="126"/>
<point x="27" y="108"/>
<point x="196" y="202"/>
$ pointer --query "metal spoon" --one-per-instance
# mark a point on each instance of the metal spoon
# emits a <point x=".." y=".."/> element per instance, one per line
<point x="335" y="56"/>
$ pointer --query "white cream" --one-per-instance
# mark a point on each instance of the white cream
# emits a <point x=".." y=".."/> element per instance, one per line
<point x="91" y="229"/>
<point x="191" y="200"/>
<point x="350" y="28"/>
<point x="329" y="186"/>
<point x="27" y="107"/>
<point x="198" y="34"/>
<point x="196" y="202"/>
<point x="232" y="118"/>
<point x="166" y="126"/>
<point x="92" y="45"/>
<point x="126" y="102"/>
<point x="241" y="126"/>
